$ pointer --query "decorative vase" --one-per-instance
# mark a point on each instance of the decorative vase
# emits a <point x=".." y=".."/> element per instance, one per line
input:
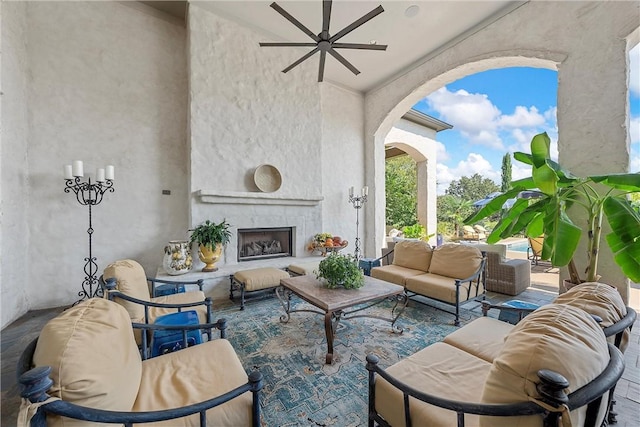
<point x="177" y="257"/>
<point x="210" y="257"/>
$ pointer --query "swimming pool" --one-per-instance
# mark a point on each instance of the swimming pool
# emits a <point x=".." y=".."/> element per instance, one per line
<point x="518" y="246"/>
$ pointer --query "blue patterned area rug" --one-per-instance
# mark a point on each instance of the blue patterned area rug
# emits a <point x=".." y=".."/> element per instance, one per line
<point x="300" y="389"/>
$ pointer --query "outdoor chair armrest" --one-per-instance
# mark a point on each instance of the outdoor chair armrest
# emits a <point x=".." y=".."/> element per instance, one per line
<point x="36" y="382"/>
<point x="385" y="257"/>
<point x="153" y="282"/>
<point x="220" y="324"/>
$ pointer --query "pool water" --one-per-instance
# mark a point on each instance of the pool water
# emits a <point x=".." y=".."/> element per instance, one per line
<point x="518" y="246"/>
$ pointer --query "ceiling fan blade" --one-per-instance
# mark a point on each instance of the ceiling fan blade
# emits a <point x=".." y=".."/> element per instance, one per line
<point x="344" y="62"/>
<point x="304" y="58"/>
<point x="326" y="15"/>
<point x="294" y="21"/>
<point x="359" y="46"/>
<point x="286" y="44"/>
<point x="323" y="56"/>
<point x="346" y="30"/>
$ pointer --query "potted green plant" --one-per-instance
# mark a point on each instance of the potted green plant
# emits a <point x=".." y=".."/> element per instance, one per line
<point x="601" y="196"/>
<point x="343" y="270"/>
<point x="211" y="238"/>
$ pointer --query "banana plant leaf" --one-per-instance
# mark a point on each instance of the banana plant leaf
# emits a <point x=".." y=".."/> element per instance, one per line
<point x="624" y="239"/>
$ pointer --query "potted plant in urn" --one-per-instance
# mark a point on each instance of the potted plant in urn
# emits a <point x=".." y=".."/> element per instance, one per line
<point x="601" y="196"/>
<point x="340" y="270"/>
<point x="211" y="238"/>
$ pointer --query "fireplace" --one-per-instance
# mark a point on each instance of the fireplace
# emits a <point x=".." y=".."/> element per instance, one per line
<point x="264" y="243"/>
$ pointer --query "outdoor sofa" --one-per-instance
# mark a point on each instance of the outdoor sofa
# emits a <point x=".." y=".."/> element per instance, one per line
<point x="451" y="273"/>
<point x="556" y="362"/>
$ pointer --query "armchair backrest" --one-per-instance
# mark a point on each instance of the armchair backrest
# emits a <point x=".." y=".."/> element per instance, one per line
<point x="535" y="243"/>
<point x="131" y="280"/>
<point x="94" y="358"/>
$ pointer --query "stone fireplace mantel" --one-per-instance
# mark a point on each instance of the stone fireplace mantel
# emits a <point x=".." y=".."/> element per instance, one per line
<point x="250" y="198"/>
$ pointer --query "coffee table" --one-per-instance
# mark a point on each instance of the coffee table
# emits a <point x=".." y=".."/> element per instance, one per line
<point x="334" y="302"/>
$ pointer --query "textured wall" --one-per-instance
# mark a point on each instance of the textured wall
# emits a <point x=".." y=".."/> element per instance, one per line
<point x="587" y="43"/>
<point x="420" y="143"/>
<point x="14" y="231"/>
<point x="108" y="86"/>
<point x="342" y="160"/>
<point x="243" y="113"/>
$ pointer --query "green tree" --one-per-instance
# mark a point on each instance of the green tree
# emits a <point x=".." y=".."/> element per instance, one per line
<point x="472" y="188"/>
<point x="401" y="185"/>
<point x="506" y="172"/>
<point x="453" y="210"/>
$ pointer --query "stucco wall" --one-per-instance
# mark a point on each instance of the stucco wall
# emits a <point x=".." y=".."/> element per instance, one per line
<point x="587" y="43"/>
<point x="420" y="143"/>
<point x="14" y="231"/>
<point x="342" y="160"/>
<point x="243" y="113"/>
<point x="107" y="86"/>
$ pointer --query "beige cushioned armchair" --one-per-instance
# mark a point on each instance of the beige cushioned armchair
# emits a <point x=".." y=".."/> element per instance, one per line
<point x="96" y="367"/>
<point x="131" y="282"/>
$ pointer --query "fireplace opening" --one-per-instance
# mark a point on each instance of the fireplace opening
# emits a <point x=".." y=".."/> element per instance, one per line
<point x="264" y="243"/>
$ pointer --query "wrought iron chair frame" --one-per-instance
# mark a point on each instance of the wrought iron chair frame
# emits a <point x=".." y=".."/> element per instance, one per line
<point x="36" y="382"/>
<point x="551" y="388"/>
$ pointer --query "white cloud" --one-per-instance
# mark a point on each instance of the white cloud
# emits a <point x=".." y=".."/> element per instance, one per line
<point x="634" y="130"/>
<point x="474" y="163"/>
<point x="634" y="70"/>
<point x="522" y="117"/>
<point x="441" y="152"/>
<point x="473" y="115"/>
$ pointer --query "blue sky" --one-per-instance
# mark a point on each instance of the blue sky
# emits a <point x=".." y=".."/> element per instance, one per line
<point x="499" y="111"/>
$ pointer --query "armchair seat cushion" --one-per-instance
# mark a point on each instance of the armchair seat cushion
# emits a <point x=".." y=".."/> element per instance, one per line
<point x="432" y="370"/>
<point x="483" y="338"/>
<point x="394" y="273"/>
<point x="439" y="287"/>
<point x="195" y="376"/>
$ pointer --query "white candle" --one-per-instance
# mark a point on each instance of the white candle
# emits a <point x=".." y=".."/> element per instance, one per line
<point x="365" y="191"/>
<point x="109" y="172"/>
<point x="68" y="172"/>
<point x="100" y="175"/>
<point x="351" y="192"/>
<point x="77" y="169"/>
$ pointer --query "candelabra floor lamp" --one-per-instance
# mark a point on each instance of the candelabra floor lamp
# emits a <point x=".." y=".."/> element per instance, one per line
<point x="88" y="194"/>
<point x="358" y="202"/>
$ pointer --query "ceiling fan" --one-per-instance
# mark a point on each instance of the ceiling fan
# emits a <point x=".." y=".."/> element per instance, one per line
<point x="324" y="42"/>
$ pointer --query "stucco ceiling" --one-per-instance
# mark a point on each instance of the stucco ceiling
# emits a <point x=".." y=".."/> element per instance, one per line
<point x="413" y="31"/>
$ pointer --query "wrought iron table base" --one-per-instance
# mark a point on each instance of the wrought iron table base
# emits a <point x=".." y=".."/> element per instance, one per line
<point x="332" y="318"/>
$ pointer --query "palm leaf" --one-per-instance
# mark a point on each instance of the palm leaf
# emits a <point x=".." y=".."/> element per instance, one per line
<point x="620" y="181"/>
<point x="624" y="239"/>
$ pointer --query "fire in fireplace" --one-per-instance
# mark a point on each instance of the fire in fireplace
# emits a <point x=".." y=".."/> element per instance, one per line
<point x="264" y="243"/>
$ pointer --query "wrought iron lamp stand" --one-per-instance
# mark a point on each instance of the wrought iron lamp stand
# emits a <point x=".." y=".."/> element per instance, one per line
<point x="89" y="194"/>
<point x="358" y="202"/>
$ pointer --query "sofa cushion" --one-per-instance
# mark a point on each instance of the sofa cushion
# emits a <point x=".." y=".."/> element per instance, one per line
<point x="455" y="260"/>
<point x="484" y="337"/>
<point x="558" y="337"/>
<point x="440" y="370"/>
<point x="93" y="356"/>
<point x="439" y="287"/>
<point x="600" y="299"/>
<point x="413" y="254"/>
<point x="193" y="375"/>
<point x="260" y="278"/>
<point x="394" y="273"/>
<point x="131" y="280"/>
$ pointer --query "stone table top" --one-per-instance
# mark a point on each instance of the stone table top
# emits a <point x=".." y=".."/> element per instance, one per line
<point x="316" y="292"/>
